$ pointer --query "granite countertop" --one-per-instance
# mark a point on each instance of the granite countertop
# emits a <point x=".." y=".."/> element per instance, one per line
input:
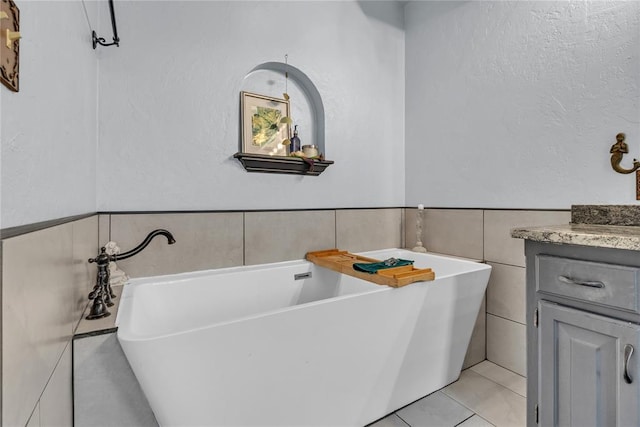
<point x="604" y="226"/>
<point x="604" y="236"/>
<point x="606" y="214"/>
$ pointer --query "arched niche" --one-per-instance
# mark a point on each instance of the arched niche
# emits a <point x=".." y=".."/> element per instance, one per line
<point x="307" y="110"/>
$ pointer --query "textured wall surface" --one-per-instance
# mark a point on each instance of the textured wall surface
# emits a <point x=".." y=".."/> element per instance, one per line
<point x="516" y="104"/>
<point x="169" y="103"/>
<point x="508" y="104"/>
<point x="48" y="129"/>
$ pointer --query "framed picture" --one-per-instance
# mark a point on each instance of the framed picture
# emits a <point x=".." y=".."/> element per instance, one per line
<point x="262" y="129"/>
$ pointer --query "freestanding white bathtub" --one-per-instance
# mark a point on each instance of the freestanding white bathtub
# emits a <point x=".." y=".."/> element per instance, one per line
<point x="254" y="346"/>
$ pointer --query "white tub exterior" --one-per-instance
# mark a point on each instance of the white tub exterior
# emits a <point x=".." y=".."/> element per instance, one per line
<point x="251" y="346"/>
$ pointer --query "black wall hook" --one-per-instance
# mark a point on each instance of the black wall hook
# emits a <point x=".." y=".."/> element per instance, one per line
<point x="100" y="40"/>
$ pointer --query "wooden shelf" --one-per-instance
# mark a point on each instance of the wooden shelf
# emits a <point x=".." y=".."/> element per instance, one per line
<point x="277" y="164"/>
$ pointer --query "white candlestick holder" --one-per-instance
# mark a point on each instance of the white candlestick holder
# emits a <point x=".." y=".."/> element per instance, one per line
<point x="419" y="247"/>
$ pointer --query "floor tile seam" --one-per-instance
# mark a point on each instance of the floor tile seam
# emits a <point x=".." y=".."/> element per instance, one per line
<point x="480" y="410"/>
<point x="402" y="419"/>
<point x="462" y="404"/>
<point x="502" y="385"/>
<point x="484" y="417"/>
<point x="499" y="366"/>
<point x="470" y="416"/>
<point x="506" y="318"/>
<point x="475" y="415"/>
<point x="441" y="391"/>
<point x="459" y="403"/>
<point x="517" y="395"/>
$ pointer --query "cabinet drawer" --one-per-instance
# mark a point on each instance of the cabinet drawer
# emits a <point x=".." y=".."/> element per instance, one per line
<point x="597" y="283"/>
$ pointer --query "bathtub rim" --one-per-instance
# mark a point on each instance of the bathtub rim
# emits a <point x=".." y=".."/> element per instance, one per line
<point x="127" y="335"/>
<point x="130" y="288"/>
<point x="222" y="270"/>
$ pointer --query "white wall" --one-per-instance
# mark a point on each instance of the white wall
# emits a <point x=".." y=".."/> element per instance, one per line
<point x="48" y="129"/>
<point x="169" y="103"/>
<point x="508" y="104"/>
<point x="516" y="104"/>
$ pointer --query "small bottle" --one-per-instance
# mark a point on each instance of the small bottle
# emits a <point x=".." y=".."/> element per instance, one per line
<point x="295" y="141"/>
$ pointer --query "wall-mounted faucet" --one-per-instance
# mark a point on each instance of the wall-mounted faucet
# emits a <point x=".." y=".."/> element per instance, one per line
<point x="102" y="293"/>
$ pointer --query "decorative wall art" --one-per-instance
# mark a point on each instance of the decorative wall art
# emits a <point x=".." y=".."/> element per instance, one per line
<point x="9" y="46"/>
<point x="264" y="124"/>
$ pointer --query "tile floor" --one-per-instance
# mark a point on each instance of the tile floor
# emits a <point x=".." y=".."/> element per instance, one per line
<point x="485" y="395"/>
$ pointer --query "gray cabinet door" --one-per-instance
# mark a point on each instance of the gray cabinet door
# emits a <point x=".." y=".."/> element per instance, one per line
<point x="581" y="369"/>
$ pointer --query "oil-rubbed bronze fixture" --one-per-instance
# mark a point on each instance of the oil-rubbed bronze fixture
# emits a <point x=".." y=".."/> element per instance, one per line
<point x="102" y="294"/>
<point x="618" y="150"/>
<point x="100" y="40"/>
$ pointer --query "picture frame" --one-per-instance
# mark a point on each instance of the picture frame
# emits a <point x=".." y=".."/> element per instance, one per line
<point x="262" y="130"/>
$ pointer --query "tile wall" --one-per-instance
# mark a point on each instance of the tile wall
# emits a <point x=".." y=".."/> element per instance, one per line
<point x="203" y="240"/>
<point x="226" y="239"/>
<point x="457" y="232"/>
<point x="105" y="388"/>
<point x="485" y="235"/>
<point x="506" y="341"/>
<point x="46" y="277"/>
<point x="45" y="282"/>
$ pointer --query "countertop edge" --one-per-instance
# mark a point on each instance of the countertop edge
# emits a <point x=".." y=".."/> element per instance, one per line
<point x="604" y="236"/>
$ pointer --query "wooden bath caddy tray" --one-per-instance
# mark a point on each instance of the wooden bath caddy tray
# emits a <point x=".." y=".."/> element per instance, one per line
<point x="342" y="262"/>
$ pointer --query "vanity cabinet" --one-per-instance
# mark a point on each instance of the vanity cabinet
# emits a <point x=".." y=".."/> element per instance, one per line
<point x="586" y="375"/>
<point x="583" y="366"/>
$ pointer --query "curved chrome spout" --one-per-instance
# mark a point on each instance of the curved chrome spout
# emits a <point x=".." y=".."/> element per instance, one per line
<point x="145" y="243"/>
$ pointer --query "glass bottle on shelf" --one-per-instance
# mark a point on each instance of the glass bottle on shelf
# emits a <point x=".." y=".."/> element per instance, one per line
<point x="295" y="141"/>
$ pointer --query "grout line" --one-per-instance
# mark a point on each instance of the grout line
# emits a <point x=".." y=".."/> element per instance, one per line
<point x="457" y="401"/>
<point x="502" y="385"/>
<point x="479" y="416"/>
<point x="335" y="228"/>
<point x="490" y="380"/>
<point x="495" y="364"/>
<point x="486" y="290"/>
<point x="401" y="419"/>
<point x="470" y="416"/>
<point x="402" y="227"/>
<point x="503" y="263"/>
<point x="501" y="367"/>
<point x="486" y="329"/>
<point x="483" y="234"/>
<point x="67" y="347"/>
<point x="507" y="319"/>
<point x="73" y="380"/>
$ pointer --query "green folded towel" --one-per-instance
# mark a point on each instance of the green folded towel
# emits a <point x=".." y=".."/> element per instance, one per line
<point x="373" y="267"/>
